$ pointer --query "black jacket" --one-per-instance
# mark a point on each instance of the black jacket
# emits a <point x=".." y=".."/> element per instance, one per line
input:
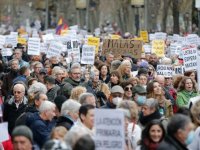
<point x="65" y="121"/>
<point x="171" y="143"/>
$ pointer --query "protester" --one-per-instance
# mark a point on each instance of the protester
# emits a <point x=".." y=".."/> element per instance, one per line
<point x="104" y="73"/>
<point x="87" y="98"/>
<point x="114" y="79"/>
<point x="77" y="91"/>
<point x="127" y="86"/>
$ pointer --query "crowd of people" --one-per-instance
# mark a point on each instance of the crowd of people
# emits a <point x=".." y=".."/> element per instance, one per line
<point x="49" y="103"/>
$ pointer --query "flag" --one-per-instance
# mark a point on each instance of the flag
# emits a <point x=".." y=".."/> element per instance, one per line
<point x="61" y="26"/>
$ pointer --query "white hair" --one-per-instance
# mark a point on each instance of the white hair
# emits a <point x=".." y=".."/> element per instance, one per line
<point x="37" y="87"/>
<point x="46" y="105"/>
<point x="70" y="106"/>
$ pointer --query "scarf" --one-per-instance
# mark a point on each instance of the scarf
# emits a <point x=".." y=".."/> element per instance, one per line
<point x="145" y="119"/>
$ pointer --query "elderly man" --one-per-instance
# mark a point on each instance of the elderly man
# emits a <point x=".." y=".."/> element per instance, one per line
<point x="179" y="133"/>
<point x="43" y="122"/>
<point x="116" y="97"/>
<point x="15" y="106"/>
<point x="69" y="114"/>
<point x="87" y="98"/>
<point x="18" y="55"/>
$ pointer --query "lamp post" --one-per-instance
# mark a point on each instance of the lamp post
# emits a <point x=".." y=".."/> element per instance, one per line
<point x="137" y="4"/>
<point x="197" y="5"/>
<point x="81" y="6"/>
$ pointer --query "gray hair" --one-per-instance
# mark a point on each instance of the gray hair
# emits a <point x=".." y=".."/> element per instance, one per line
<point x="151" y="103"/>
<point x="46" y="105"/>
<point x="178" y="121"/>
<point x="37" y="87"/>
<point x="92" y="73"/>
<point x="74" y="66"/>
<point x="70" y="106"/>
<point x="83" y="97"/>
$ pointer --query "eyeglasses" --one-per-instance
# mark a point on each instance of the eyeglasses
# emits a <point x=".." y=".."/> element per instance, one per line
<point x="128" y="88"/>
<point x="18" y="92"/>
<point x="76" y="73"/>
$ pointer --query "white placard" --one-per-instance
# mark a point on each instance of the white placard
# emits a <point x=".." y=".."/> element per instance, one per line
<point x="165" y="70"/>
<point x="109" y="129"/>
<point x="147" y="49"/>
<point x="178" y="70"/>
<point x="198" y="68"/>
<point x="160" y="36"/>
<point x="4" y="132"/>
<point x="73" y="50"/>
<point x="2" y="40"/>
<point x="55" y="49"/>
<point x="176" y="37"/>
<point x="11" y="39"/>
<point x="88" y="54"/>
<point x="34" y="46"/>
<point x="175" y="49"/>
<point x="192" y="39"/>
<point x="47" y="38"/>
<point x="189" y="57"/>
<point x="151" y="36"/>
<point x="43" y="47"/>
<point x="6" y="51"/>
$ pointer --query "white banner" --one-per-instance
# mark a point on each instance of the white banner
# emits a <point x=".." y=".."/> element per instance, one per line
<point x="190" y="57"/>
<point x="34" y="46"/>
<point x="109" y="129"/>
<point x="88" y="54"/>
<point x="165" y="70"/>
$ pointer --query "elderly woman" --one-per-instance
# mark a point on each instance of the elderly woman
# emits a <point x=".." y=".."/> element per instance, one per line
<point x="125" y="70"/>
<point x="77" y="91"/>
<point x="186" y="90"/>
<point x="154" y="90"/>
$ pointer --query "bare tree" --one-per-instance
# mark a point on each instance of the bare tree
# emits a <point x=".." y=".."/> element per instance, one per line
<point x="175" y="11"/>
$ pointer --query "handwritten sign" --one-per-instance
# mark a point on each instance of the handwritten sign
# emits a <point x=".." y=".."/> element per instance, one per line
<point x="121" y="46"/>
<point x="55" y="49"/>
<point x="175" y="49"/>
<point x="158" y="47"/>
<point x="34" y="46"/>
<point x="165" y="70"/>
<point x="6" y="51"/>
<point x="189" y="56"/>
<point x="109" y="129"/>
<point x="144" y="36"/>
<point x="94" y="41"/>
<point x="88" y="54"/>
<point x="178" y="70"/>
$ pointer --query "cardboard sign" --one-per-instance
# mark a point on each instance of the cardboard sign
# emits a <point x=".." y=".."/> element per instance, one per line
<point x="94" y="41"/>
<point x="43" y="47"/>
<point x="73" y="50"/>
<point x="144" y="36"/>
<point x="88" y="54"/>
<point x="165" y="70"/>
<point x="121" y="46"/>
<point x="6" y="51"/>
<point x="158" y="47"/>
<point x="115" y="36"/>
<point x="55" y="49"/>
<point x="21" y="41"/>
<point x="189" y="57"/>
<point x="34" y="46"/>
<point x="109" y="129"/>
<point x="4" y="132"/>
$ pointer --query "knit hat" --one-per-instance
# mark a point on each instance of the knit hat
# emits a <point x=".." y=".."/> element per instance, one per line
<point x="117" y="89"/>
<point x="138" y="89"/>
<point x="59" y="100"/>
<point x="23" y="131"/>
<point x="144" y="64"/>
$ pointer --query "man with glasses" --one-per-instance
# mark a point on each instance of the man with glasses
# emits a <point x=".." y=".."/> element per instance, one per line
<point x="15" y="106"/>
<point x="18" y="55"/>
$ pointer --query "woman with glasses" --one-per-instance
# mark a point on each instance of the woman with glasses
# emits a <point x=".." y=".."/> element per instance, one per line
<point x="127" y="86"/>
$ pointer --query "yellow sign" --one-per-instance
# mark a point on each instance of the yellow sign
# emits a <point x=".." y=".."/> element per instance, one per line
<point x="94" y="41"/>
<point x="158" y="47"/>
<point x="115" y="36"/>
<point x="22" y="41"/>
<point x="144" y="36"/>
<point x="138" y="39"/>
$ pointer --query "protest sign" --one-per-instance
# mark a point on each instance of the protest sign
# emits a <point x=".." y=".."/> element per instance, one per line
<point x="115" y="36"/>
<point x="94" y="41"/>
<point x="34" y="46"/>
<point x="144" y="36"/>
<point x="189" y="56"/>
<point x="97" y="32"/>
<point x="147" y="49"/>
<point x="2" y="40"/>
<point x="192" y="39"/>
<point x="43" y="47"/>
<point x="151" y="36"/>
<point x="176" y="37"/>
<point x="165" y="70"/>
<point x="21" y="41"/>
<point x="6" y="51"/>
<point x="158" y="47"/>
<point x="47" y="38"/>
<point x="178" y="70"/>
<point x="11" y="40"/>
<point x="198" y="68"/>
<point x="175" y="49"/>
<point x="55" y="49"/>
<point x="160" y="36"/>
<point x="88" y="54"/>
<point x="4" y="132"/>
<point x="121" y="46"/>
<point x="109" y="130"/>
<point x="73" y="50"/>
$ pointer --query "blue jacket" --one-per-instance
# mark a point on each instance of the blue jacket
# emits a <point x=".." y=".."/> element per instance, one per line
<point x="41" y="129"/>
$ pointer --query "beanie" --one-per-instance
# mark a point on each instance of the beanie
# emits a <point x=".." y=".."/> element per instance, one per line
<point x="23" y="131"/>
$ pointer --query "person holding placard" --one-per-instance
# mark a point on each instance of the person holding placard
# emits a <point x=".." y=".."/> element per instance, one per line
<point x="186" y="90"/>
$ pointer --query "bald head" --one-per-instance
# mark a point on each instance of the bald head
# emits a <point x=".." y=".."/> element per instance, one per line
<point x="160" y="79"/>
<point x="19" y="92"/>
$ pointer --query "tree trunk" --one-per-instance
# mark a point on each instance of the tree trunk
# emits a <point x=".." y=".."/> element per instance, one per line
<point x="176" y="17"/>
<point x="165" y="13"/>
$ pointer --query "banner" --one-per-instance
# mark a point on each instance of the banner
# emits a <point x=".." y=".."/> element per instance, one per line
<point x="88" y="54"/>
<point x="165" y="70"/>
<point x="144" y="36"/>
<point x="158" y="47"/>
<point x="109" y="129"/>
<point x="94" y="41"/>
<point x="190" y="57"/>
<point x="34" y="46"/>
<point x="121" y="46"/>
